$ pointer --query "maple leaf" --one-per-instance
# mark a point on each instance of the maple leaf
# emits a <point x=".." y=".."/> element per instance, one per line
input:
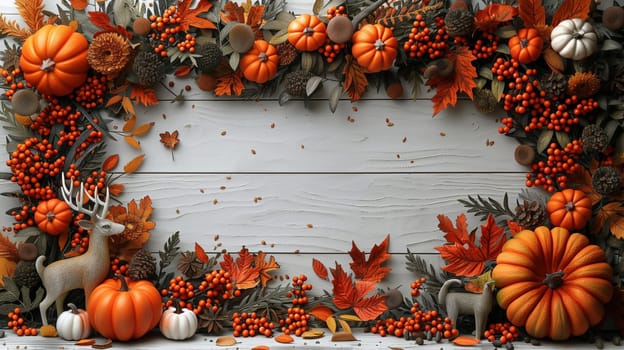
<point x="232" y="13"/>
<point x="532" y="12"/>
<point x="243" y="273"/>
<point x="514" y="227"/>
<point x="265" y="267"/>
<point x="370" y="270"/>
<point x="454" y="234"/>
<point x="229" y="83"/>
<point x="571" y="9"/>
<point x="493" y="15"/>
<point x="355" y="81"/>
<point x="350" y="295"/>
<point x="468" y="259"/>
<point x="170" y="140"/>
<point x="462" y="80"/>
<point x="144" y="95"/>
<point x="189" y="17"/>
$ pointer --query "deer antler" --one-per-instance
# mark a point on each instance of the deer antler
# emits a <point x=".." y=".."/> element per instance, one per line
<point x="68" y="196"/>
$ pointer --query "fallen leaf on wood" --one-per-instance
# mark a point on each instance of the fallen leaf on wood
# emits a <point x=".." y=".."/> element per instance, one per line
<point x="466" y="341"/>
<point x="225" y="340"/>
<point x="313" y="334"/>
<point x="108" y="343"/>
<point x="284" y="338"/>
<point x="83" y="342"/>
<point x="343" y="336"/>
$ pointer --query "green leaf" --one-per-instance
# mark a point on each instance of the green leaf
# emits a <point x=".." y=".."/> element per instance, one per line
<point x="10" y="286"/>
<point x="7" y="297"/>
<point x="312" y="84"/>
<point x="307" y="61"/>
<point x="234" y="60"/>
<point x="498" y="87"/>
<point x="334" y="97"/>
<point x="486" y="72"/>
<point x="283" y="98"/>
<point x="506" y="32"/>
<point x="562" y="138"/>
<point x="503" y="48"/>
<point x="544" y="140"/>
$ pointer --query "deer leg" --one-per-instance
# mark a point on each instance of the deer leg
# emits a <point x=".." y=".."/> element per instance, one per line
<point x="480" y="320"/>
<point x="43" y="308"/>
<point x="60" y="303"/>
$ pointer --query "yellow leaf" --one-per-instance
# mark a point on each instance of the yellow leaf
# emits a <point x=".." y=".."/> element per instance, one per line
<point x="475" y="285"/>
<point x="345" y="326"/>
<point x="134" y="164"/>
<point x="142" y="129"/>
<point x="331" y="324"/>
<point x="132" y="142"/>
<point x="129" y="125"/>
<point x="113" y="100"/>
<point x="126" y="103"/>
<point x="348" y="317"/>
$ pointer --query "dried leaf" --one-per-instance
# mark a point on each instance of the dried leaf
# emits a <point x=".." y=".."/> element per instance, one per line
<point x="265" y="267"/>
<point x="463" y="340"/>
<point x="31" y="12"/>
<point x="617" y="227"/>
<point x="321" y="312"/>
<point x="108" y="343"/>
<point x="320" y="269"/>
<point x="144" y="95"/>
<point x="462" y="80"/>
<point x="137" y="233"/>
<point x="113" y="100"/>
<point x="229" y="84"/>
<point x="134" y="164"/>
<point x="142" y="129"/>
<point x="182" y="71"/>
<point x="493" y="15"/>
<point x="345" y="326"/>
<point x="514" y="227"/>
<point x="370" y="270"/>
<point x="343" y="336"/>
<point x="85" y="342"/>
<point x="355" y="81"/>
<point x="132" y="142"/>
<point x="532" y="12"/>
<point x="8" y="249"/>
<point x="331" y="324"/>
<point x="232" y="12"/>
<point x="200" y="253"/>
<point x="111" y="162"/>
<point x="348" y="317"/>
<point x="476" y="285"/>
<point x="313" y="334"/>
<point x="243" y="273"/>
<point x="129" y="124"/>
<point x="225" y="340"/>
<point x="571" y="9"/>
<point x="347" y="295"/>
<point x="12" y="28"/>
<point x="62" y="240"/>
<point x="190" y="17"/>
<point x="170" y="140"/>
<point x="553" y="60"/>
<point x="126" y="104"/>
<point x="116" y="189"/>
<point x="284" y="338"/>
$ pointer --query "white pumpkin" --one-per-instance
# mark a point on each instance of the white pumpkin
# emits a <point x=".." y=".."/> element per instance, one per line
<point x="178" y="323"/>
<point x="73" y="324"/>
<point x="574" y="39"/>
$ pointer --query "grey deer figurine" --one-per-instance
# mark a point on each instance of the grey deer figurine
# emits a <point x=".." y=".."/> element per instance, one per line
<point x="87" y="270"/>
<point x="466" y="303"/>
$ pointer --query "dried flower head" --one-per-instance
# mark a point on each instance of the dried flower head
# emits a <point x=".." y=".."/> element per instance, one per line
<point x="109" y="53"/>
<point x="136" y="220"/>
<point x="583" y="85"/>
<point x="287" y="53"/>
<point x="606" y="180"/>
<point x="594" y="138"/>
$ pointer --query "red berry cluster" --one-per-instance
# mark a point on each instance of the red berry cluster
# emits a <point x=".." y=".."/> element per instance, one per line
<point x="13" y="81"/>
<point x="427" y="41"/>
<point x="167" y="32"/>
<point x="296" y="321"/>
<point x="331" y="49"/>
<point x="552" y="174"/>
<point x="18" y="325"/>
<point x="23" y="218"/>
<point x="91" y="93"/>
<point x="251" y="324"/>
<point x="120" y="267"/>
<point x="504" y="69"/>
<point x="486" y="45"/>
<point x="336" y="11"/>
<point x="503" y="332"/>
<point x="416" y="286"/>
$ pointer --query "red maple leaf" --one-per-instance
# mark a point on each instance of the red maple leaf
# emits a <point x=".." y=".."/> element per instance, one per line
<point x="244" y="274"/>
<point x="462" y="80"/>
<point x="349" y="295"/>
<point x="468" y="259"/>
<point x="265" y="267"/>
<point x="370" y="270"/>
<point x="190" y="17"/>
<point x="455" y="235"/>
<point x="532" y="12"/>
<point x="493" y="15"/>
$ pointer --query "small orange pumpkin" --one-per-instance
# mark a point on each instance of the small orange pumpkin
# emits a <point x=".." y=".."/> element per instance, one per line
<point x="570" y="209"/>
<point x="122" y="309"/>
<point x="260" y="63"/>
<point x="54" y="60"/>
<point x="53" y="216"/>
<point x="307" y="32"/>
<point x="526" y="46"/>
<point x="374" y="47"/>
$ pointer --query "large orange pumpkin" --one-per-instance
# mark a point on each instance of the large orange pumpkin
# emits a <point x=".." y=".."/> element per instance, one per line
<point x="526" y="46"/>
<point x="307" y="32"/>
<point x="553" y="283"/>
<point x="53" y="216"/>
<point x="54" y="60"/>
<point x="374" y="47"/>
<point x="122" y="309"/>
<point x="569" y="208"/>
<point x="260" y="63"/>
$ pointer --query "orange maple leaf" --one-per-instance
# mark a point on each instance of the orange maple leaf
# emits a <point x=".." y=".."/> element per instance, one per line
<point x="493" y="15"/>
<point x="265" y="267"/>
<point x="243" y="273"/>
<point x="458" y="235"/>
<point x="355" y="81"/>
<point x="232" y="12"/>
<point x="532" y="12"/>
<point x="229" y="83"/>
<point x="189" y="17"/>
<point x="350" y="295"/>
<point x="170" y="140"/>
<point x="462" y="80"/>
<point x="370" y="270"/>
<point x="144" y="95"/>
<point x="571" y="9"/>
<point x="468" y="259"/>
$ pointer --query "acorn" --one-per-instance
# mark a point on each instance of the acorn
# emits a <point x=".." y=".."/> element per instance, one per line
<point x="25" y="102"/>
<point x="206" y="82"/>
<point x="339" y="29"/>
<point x="524" y="155"/>
<point x="241" y="37"/>
<point x="394" y="299"/>
<point x="141" y="26"/>
<point x="613" y="18"/>
<point x="442" y="67"/>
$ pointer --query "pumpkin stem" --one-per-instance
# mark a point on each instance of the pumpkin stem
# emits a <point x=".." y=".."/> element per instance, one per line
<point x="379" y="45"/>
<point x="178" y="308"/>
<point x="73" y="308"/>
<point x="308" y="31"/>
<point x="262" y="56"/>
<point x="569" y="206"/>
<point x="124" y="285"/>
<point x="554" y="280"/>
<point x="47" y="65"/>
<point x="50" y="216"/>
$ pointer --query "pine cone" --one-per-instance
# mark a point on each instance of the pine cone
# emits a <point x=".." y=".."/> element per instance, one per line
<point x="142" y="266"/>
<point x="25" y="274"/>
<point x="459" y="22"/>
<point x="530" y="215"/>
<point x="594" y="138"/>
<point x="210" y="57"/>
<point x="554" y="84"/>
<point x="149" y="68"/>
<point x="296" y="83"/>
<point x="606" y="180"/>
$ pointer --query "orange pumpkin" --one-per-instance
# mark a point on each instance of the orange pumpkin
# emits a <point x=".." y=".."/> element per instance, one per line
<point x="307" y="32"/>
<point x="526" y="46"/>
<point x="570" y="209"/>
<point x="122" y="309"/>
<point x="374" y="47"/>
<point x="53" y="216"/>
<point x="54" y="60"/>
<point x="553" y="283"/>
<point x="260" y="63"/>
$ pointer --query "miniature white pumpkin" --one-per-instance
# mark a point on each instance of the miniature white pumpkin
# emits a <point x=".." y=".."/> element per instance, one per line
<point x="574" y="39"/>
<point x="178" y="323"/>
<point x="73" y="324"/>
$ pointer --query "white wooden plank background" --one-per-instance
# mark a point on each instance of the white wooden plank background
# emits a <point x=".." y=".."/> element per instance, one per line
<point x="324" y="179"/>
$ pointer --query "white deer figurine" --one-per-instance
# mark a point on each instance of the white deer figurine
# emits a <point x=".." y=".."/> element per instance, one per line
<point x="87" y="270"/>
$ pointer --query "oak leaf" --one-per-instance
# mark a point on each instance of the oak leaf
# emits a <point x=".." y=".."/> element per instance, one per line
<point x="243" y="273"/>
<point x="532" y="12"/>
<point x="489" y="18"/>
<point x="355" y="81"/>
<point x="465" y="258"/>
<point x="189" y="17"/>
<point x="170" y="140"/>
<point x="370" y="270"/>
<point x="350" y="295"/>
<point x="461" y="80"/>
<point x="229" y="84"/>
<point x="265" y="267"/>
<point x="320" y="269"/>
<point x="571" y="9"/>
